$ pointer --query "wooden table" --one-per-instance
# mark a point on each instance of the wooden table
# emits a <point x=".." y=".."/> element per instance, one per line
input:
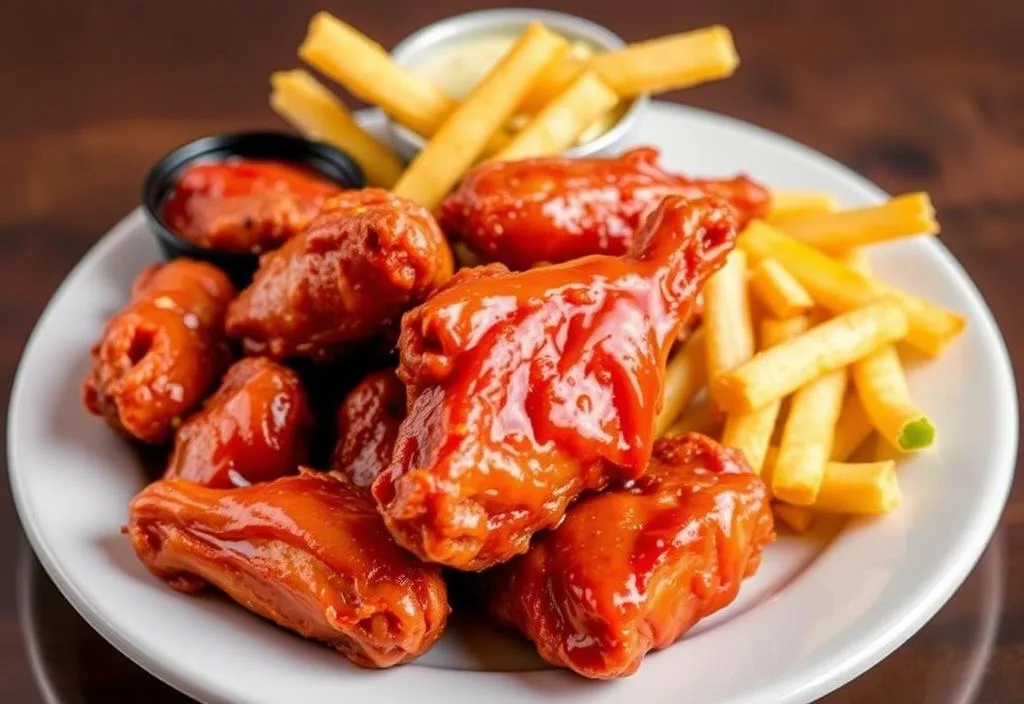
<point x="919" y="94"/>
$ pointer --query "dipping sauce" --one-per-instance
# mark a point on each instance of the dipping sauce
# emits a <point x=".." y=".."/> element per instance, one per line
<point x="245" y="205"/>
<point x="456" y="68"/>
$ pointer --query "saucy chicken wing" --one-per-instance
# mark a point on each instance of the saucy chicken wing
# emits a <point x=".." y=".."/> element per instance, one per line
<point x="632" y="569"/>
<point x="308" y="552"/>
<point x="158" y="357"/>
<point x="365" y="258"/>
<point x="527" y="388"/>
<point x="253" y="429"/>
<point x="367" y="424"/>
<point x="521" y="213"/>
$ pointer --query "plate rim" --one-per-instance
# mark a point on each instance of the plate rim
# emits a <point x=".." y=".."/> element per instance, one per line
<point x="796" y="686"/>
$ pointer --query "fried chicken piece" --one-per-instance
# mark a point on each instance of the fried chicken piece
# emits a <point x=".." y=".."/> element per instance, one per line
<point x="308" y="552"/>
<point x="522" y="213"/>
<point x="367" y="257"/>
<point x="632" y="569"/>
<point x="367" y="423"/>
<point x="527" y="388"/>
<point x="159" y="356"/>
<point x="253" y="429"/>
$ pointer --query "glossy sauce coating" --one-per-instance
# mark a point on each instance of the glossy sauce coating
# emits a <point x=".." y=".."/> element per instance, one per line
<point x="527" y="388"/>
<point x="522" y="213"/>
<point x="253" y="429"/>
<point x="307" y="552"/>
<point x="159" y="356"/>
<point x="244" y="205"/>
<point x="367" y="257"/>
<point x="367" y="423"/>
<point x="634" y="568"/>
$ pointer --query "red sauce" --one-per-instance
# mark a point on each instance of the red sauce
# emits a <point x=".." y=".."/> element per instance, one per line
<point x="245" y="205"/>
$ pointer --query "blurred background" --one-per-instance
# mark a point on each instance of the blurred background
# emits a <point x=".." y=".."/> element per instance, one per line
<point x="914" y="94"/>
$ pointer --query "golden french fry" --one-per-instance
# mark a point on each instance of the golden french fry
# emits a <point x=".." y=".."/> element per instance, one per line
<point x="859" y="488"/>
<point x="856" y="259"/>
<point x="785" y="204"/>
<point x="685" y="376"/>
<point x="839" y="288"/>
<point x="654" y="66"/>
<point x="751" y="432"/>
<point x="852" y="429"/>
<point x="727" y="321"/>
<point x="863" y="488"/>
<point x="366" y="70"/>
<point x="669" y="63"/>
<point x="903" y="216"/>
<point x="781" y="294"/>
<point x="463" y="136"/>
<point x="807" y="439"/>
<point x="883" y="390"/>
<point x="780" y="370"/>
<point x="315" y="112"/>
<point x="701" y="416"/>
<point x="797" y="518"/>
<point x="552" y="82"/>
<point x="562" y="120"/>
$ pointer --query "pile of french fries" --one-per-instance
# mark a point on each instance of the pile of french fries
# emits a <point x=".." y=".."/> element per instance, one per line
<point x="797" y="361"/>
<point x="560" y="97"/>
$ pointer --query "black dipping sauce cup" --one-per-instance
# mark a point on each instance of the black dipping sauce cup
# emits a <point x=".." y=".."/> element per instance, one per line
<point x="333" y="164"/>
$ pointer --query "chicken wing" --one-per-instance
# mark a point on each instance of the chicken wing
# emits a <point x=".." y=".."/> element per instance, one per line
<point x="366" y="257"/>
<point x="307" y="552"/>
<point x="521" y="213"/>
<point x="367" y="423"/>
<point x="159" y="356"/>
<point x="253" y="429"/>
<point x="527" y="388"/>
<point x="632" y="569"/>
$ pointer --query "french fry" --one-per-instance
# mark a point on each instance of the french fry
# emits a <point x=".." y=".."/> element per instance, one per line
<point x="781" y="294"/>
<point x="839" y="288"/>
<point x="786" y="204"/>
<point x="807" y="439"/>
<point x="701" y="416"/>
<point x="797" y="518"/>
<point x="654" y="66"/>
<point x="856" y="259"/>
<point x="315" y="112"/>
<point x="852" y="429"/>
<point x="903" y="216"/>
<point x="555" y="79"/>
<point x="859" y="488"/>
<point x="463" y="136"/>
<point x="668" y="63"/>
<point x="883" y="390"/>
<point x="864" y="488"/>
<point x="368" y="72"/>
<point x="727" y="321"/>
<point x="685" y="376"/>
<point x="750" y="432"/>
<point x="562" y="120"/>
<point x="780" y="370"/>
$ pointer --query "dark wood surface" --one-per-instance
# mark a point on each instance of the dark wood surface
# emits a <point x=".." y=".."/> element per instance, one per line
<point x="915" y="94"/>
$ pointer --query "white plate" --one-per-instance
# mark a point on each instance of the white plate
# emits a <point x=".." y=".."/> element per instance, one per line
<point x="822" y="609"/>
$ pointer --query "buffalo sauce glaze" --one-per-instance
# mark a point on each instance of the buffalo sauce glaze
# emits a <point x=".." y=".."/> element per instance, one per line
<point x="527" y="388"/>
<point x="244" y="205"/>
<point x="309" y="552"/>
<point x="632" y="569"/>
<point x="554" y="209"/>
<point x="254" y="428"/>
